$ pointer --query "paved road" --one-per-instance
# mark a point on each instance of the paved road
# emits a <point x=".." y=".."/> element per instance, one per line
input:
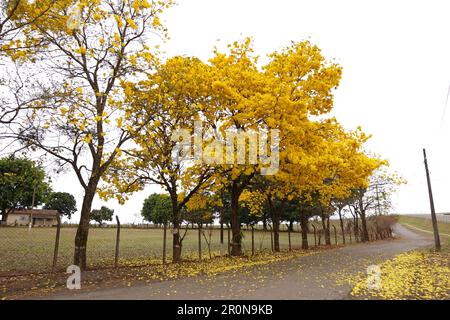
<point x="309" y="277"/>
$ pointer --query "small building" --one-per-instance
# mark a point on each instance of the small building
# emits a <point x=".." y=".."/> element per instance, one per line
<point x="40" y="217"/>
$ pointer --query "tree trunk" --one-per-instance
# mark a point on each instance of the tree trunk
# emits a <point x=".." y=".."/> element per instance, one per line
<point x="236" y="248"/>
<point x="342" y="225"/>
<point x="289" y="239"/>
<point x="291" y="226"/>
<point x="264" y="221"/>
<point x="356" y="227"/>
<point x="276" y="233"/>
<point x="177" y="242"/>
<point x="81" y="237"/>
<point x="326" y="228"/>
<point x="276" y="225"/>
<point x="365" y="233"/>
<point x="328" y="231"/>
<point x="304" y="227"/>
<point x="362" y="212"/>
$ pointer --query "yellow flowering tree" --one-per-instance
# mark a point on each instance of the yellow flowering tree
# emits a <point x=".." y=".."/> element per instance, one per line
<point x="15" y="88"/>
<point x="13" y="13"/>
<point x="240" y="94"/>
<point x="331" y="166"/>
<point x="345" y="167"/>
<point x="172" y="98"/>
<point x="342" y="166"/>
<point x="88" y="49"/>
<point x="283" y="95"/>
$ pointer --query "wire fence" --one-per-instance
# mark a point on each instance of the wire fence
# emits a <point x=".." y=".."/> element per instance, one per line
<point x="26" y="250"/>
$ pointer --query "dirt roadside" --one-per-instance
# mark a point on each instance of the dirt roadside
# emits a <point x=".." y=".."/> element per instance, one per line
<point x="311" y="277"/>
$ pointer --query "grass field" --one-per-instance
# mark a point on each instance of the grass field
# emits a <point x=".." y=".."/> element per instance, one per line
<point x="425" y="224"/>
<point x="23" y="251"/>
<point x="421" y="223"/>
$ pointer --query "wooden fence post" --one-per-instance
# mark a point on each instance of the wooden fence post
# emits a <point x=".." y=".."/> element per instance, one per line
<point x="199" y="243"/>
<point x="289" y="238"/>
<point x="55" y="251"/>
<point x="335" y="235"/>
<point x="229" y="246"/>
<point x="271" y="239"/>
<point x="165" y="243"/>
<point x="253" y="240"/>
<point x="116" y="258"/>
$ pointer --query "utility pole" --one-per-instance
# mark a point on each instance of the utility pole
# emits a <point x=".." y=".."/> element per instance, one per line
<point x="437" y="241"/>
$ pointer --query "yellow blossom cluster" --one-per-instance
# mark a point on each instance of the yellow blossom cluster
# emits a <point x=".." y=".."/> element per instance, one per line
<point x="411" y="275"/>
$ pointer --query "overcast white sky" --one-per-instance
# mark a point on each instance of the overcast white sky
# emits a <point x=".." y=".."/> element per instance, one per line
<point x="396" y="61"/>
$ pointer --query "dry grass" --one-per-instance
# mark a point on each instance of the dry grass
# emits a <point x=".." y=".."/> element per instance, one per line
<point x="23" y="251"/>
<point x="424" y="224"/>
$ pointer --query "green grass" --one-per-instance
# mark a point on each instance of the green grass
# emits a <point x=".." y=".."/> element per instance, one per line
<point x="425" y="224"/>
<point x="23" y="251"/>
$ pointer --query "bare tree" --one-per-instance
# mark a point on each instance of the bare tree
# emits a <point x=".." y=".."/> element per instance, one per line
<point x="376" y="199"/>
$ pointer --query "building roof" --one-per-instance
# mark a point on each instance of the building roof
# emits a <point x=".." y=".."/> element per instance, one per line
<point x="37" y="213"/>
